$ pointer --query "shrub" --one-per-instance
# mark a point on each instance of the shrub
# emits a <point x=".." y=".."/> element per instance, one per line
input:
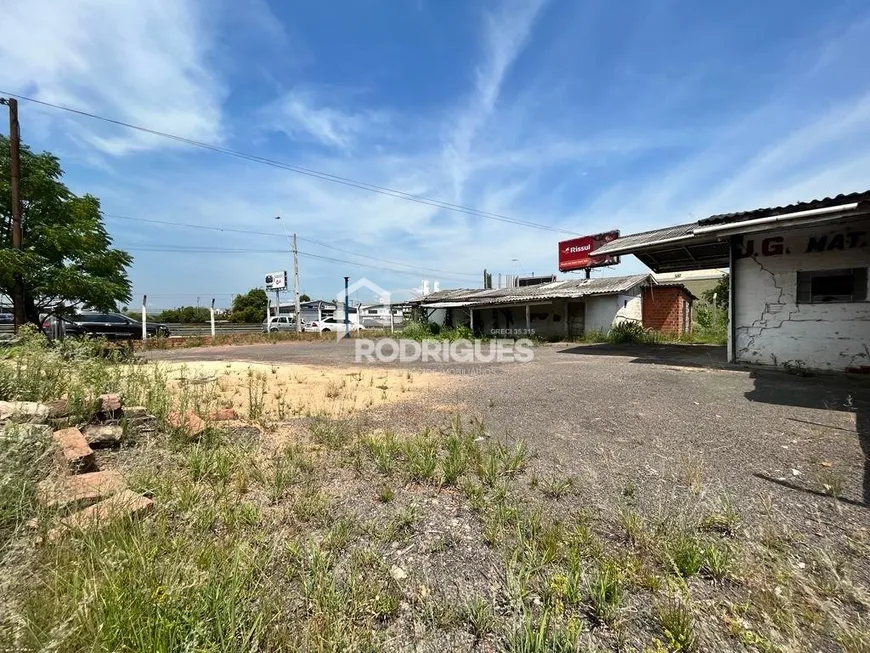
<point x="627" y="332"/>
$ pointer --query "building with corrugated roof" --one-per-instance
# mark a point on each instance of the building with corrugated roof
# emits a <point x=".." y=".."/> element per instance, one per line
<point x="567" y="308"/>
<point x="799" y="278"/>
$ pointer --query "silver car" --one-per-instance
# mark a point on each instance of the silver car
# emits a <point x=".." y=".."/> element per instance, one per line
<point x="280" y="323"/>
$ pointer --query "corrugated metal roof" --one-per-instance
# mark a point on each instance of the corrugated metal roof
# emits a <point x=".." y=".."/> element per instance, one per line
<point x="564" y="289"/>
<point x="636" y="241"/>
<point x="725" y="218"/>
<point x="649" y="238"/>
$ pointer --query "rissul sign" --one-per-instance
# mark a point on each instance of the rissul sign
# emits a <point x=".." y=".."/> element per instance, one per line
<point x="578" y="253"/>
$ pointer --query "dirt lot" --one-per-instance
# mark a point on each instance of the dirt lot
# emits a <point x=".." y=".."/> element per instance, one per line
<point x="669" y="430"/>
<point x="631" y="499"/>
<point x="615" y="415"/>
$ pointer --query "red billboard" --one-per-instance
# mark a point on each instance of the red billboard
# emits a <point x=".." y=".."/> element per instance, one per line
<point x="578" y="253"/>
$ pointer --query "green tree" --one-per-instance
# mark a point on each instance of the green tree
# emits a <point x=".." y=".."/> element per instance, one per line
<point x="304" y="298"/>
<point x="721" y="291"/>
<point x="185" y="315"/>
<point x="67" y="256"/>
<point x="250" y="307"/>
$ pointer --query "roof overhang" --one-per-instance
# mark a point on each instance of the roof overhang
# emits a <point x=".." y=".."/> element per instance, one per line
<point x="447" y="304"/>
<point x="704" y="246"/>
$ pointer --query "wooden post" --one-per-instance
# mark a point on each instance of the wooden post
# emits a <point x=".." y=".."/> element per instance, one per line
<point x="528" y="318"/>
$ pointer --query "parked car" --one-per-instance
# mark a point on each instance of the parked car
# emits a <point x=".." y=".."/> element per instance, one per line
<point x="280" y="323"/>
<point x="112" y="326"/>
<point x="7" y="318"/>
<point x="331" y="324"/>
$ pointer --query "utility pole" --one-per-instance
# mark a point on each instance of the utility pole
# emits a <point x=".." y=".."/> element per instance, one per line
<point x="296" y="285"/>
<point x="15" y="190"/>
<point x="346" y="310"/>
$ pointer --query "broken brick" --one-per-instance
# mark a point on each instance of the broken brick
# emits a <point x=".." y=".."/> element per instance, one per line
<point x="223" y="415"/>
<point x="80" y="490"/>
<point x="73" y="450"/>
<point x="58" y="408"/>
<point x="123" y="504"/>
<point x="110" y="403"/>
<point x="191" y="424"/>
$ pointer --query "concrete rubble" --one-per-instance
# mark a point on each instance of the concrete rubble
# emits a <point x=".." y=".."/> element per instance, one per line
<point x="23" y="411"/>
<point x="103" y="435"/>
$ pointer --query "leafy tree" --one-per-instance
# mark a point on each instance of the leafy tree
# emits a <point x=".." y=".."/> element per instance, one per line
<point x="720" y="290"/>
<point x="67" y="256"/>
<point x="304" y="298"/>
<point x="250" y="307"/>
<point x="185" y="315"/>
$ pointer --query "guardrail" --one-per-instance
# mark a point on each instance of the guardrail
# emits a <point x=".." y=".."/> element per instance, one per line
<point x="220" y="328"/>
<point x="182" y="330"/>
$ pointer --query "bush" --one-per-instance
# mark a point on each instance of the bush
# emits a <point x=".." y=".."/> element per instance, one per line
<point x="185" y="315"/>
<point x="627" y="332"/>
<point x="711" y="323"/>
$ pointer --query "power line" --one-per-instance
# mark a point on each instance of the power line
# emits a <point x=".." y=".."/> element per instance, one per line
<point x="337" y="179"/>
<point x="308" y="240"/>
<point x="183" y="249"/>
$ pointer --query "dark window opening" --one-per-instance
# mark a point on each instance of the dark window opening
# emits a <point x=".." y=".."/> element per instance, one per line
<point x="832" y="286"/>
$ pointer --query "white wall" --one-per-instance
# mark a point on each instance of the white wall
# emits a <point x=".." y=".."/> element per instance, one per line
<point x="772" y="328"/>
<point x="605" y="311"/>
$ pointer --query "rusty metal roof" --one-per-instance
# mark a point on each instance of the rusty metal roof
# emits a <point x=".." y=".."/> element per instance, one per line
<point x="564" y="289"/>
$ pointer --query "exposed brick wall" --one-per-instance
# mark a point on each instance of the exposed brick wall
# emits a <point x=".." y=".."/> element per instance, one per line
<point x="665" y="309"/>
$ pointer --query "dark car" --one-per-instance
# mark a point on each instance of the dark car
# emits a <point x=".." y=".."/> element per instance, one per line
<point x="112" y="326"/>
<point x="7" y="318"/>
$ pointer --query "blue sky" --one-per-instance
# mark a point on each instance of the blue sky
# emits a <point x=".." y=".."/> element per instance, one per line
<point x="586" y="116"/>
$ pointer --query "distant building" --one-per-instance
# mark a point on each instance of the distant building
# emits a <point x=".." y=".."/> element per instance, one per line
<point x="561" y="309"/>
<point x="696" y="282"/>
<point x="311" y="311"/>
<point x="374" y="316"/>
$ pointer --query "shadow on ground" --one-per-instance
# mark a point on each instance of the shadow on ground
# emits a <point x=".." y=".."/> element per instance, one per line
<point x="824" y="392"/>
<point x="712" y="356"/>
<point x="836" y="392"/>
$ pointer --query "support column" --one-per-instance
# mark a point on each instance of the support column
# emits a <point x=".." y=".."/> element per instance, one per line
<point x="528" y="317"/>
<point x="566" y="327"/>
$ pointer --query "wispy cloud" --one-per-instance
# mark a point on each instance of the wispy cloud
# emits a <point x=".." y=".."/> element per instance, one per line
<point x="143" y="62"/>
<point x="303" y="113"/>
<point x="505" y="34"/>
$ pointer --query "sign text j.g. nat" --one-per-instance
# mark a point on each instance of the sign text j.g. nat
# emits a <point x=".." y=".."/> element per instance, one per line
<point x="775" y="245"/>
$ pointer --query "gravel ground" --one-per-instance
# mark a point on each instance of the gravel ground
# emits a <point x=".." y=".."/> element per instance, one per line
<point x="666" y="428"/>
<point x="613" y="417"/>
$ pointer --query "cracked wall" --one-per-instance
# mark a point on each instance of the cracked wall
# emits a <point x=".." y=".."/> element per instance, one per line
<point x="772" y="328"/>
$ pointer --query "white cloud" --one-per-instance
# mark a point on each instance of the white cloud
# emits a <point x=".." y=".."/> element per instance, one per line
<point x="303" y="114"/>
<point x="142" y="62"/>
